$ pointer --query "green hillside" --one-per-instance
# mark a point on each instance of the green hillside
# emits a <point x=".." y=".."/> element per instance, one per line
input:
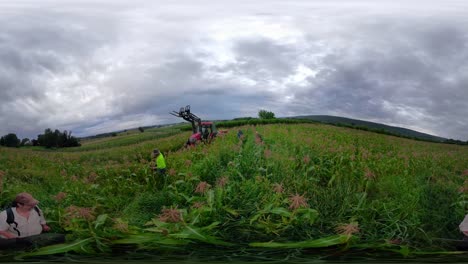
<point x="404" y="132"/>
<point x="288" y="186"/>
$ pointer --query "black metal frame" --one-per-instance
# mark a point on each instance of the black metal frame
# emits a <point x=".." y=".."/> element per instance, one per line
<point x="187" y="116"/>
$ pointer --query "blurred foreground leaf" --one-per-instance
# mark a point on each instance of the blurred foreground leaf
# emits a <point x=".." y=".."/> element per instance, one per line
<point x="150" y="239"/>
<point x="193" y="233"/>
<point x="316" y="243"/>
<point x="77" y="246"/>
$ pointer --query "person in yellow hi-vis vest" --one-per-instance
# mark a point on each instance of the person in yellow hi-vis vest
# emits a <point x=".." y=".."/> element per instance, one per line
<point x="160" y="164"/>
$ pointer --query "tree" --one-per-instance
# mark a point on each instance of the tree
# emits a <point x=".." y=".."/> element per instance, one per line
<point x="10" y="140"/>
<point x="48" y="139"/>
<point x="141" y="129"/>
<point x="57" y="139"/>
<point x="264" y="114"/>
<point x="70" y="141"/>
<point x="25" y="141"/>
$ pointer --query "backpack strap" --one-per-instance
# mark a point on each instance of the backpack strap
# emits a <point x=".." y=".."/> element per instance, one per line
<point x="11" y="220"/>
<point x="10" y="216"/>
<point x="37" y="210"/>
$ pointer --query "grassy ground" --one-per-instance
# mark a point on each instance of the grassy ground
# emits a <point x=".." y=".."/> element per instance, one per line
<point x="299" y="185"/>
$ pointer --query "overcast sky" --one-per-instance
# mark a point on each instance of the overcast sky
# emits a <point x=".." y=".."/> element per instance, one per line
<point x="99" y="66"/>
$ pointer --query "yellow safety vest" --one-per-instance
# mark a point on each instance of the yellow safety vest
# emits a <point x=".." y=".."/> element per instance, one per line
<point x="160" y="162"/>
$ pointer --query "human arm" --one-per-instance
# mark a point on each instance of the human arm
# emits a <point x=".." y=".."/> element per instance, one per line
<point x="45" y="228"/>
<point x="6" y="234"/>
<point x="152" y="162"/>
<point x="153" y="165"/>
<point x="43" y="222"/>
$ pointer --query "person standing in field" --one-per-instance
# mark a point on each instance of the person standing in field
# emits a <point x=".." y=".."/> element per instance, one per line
<point x="240" y="134"/>
<point x="160" y="162"/>
<point x="159" y="166"/>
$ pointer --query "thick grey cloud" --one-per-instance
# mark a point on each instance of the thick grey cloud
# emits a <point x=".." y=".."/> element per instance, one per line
<point x="404" y="76"/>
<point x="94" y="67"/>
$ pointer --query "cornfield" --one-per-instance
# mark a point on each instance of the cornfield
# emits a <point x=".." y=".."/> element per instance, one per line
<point x="283" y="186"/>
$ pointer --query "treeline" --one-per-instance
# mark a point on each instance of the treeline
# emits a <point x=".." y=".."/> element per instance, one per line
<point x="57" y="139"/>
<point x="252" y="121"/>
<point x="256" y="121"/>
<point x="456" y="142"/>
<point x="264" y="117"/>
<point x="50" y="139"/>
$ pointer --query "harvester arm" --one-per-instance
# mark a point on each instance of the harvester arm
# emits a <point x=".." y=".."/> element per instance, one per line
<point x="187" y="116"/>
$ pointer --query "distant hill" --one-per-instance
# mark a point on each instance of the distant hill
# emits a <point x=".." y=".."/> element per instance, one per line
<point x="399" y="131"/>
<point x="134" y="129"/>
<point x="326" y="119"/>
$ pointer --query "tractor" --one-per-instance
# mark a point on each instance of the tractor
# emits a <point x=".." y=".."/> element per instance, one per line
<point x="203" y="131"/>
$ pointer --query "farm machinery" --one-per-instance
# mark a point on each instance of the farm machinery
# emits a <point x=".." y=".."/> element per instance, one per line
<point x="204" y="131"/>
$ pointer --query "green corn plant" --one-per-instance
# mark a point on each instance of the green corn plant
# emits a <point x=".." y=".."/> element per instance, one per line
<point x="78" y="246"/>
<point x="334" y="240"/>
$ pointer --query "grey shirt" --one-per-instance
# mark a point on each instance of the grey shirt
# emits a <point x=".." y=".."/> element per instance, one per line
<point x="26" y="226"/>
<point x="464" y="225"/>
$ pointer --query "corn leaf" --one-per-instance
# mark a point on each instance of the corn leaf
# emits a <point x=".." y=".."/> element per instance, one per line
<point x="307" y="215"/>
<point x="280" y="211"/>
<point x="150" y="239"/>
<point x="197" y="234"/>
<point x="316" y="243"/>
<point x="101" y="219"/>
<point x="137" y="239"/>
<point x="231" y="211"/>
<point x="59" y="248"/>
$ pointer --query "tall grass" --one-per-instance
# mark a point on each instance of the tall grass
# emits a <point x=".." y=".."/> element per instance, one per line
<point x="280" y="182"/>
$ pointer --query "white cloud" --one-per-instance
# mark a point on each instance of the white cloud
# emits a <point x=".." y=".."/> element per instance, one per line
<point x="92" y="66"/>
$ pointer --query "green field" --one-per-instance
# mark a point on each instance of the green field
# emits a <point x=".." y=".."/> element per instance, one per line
<point x="299" y="186"/>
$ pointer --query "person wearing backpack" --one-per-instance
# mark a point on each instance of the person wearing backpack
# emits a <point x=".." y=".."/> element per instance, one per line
<point x="23" y="219"/>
